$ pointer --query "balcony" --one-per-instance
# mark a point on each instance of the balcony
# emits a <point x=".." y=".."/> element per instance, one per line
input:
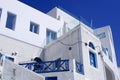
<point x="79" y="68"/>
<point x="53" y="66"/>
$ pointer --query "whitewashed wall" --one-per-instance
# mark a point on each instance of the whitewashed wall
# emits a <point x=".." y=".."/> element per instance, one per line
<point x="91" y="72"/>
<point x="25" y="14"/>
<point x="60" y="47"/>
<point x="21" y="40"/>
<point x="107" y="42"/>
<point x="119" y="71"/>
<point x="79" y="51"/>
<point x="12" y="71"/>
<point x="67" y="17"/>
<point x="25" y="51"/>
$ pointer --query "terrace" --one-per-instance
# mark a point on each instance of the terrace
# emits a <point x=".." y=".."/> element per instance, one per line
<point x="54" y="66"/>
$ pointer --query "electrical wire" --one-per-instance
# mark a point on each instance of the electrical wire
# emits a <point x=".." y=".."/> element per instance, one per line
<point x="72" y="43"/>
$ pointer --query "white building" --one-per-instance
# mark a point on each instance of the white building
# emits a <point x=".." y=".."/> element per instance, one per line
<point x="119" y="71"/>
<point x="68" y="49"/>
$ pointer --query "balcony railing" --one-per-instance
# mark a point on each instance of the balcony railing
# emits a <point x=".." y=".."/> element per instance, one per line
<point x="52" y="66"/>
<point x="49" y="66"/>
<point x="79" y="67"/>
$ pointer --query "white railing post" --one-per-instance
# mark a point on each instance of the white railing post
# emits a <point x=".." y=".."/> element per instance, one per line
<point x="72" y="66"/>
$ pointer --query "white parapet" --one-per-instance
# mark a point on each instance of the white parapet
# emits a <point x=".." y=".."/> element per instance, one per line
<point x="12" y="71"/>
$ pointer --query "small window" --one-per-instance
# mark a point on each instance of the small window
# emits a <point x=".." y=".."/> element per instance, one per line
<point x="1" y="55"/>
<point x="58" y="17"/>
<point x="92" y="57"/>
<point x="51" y="78"/>
<point x="11" y="20"/>
<point x="34" y="27"/>
<point x="0" y="12"/>
<point x="104" y="50"/>
<point x="110" y="58"/>
<point x="91" y="45"/>
<point x="51" y="35"/>
<point x="101" y="35"/>
<point x="9" y="58"/>
<point x="1" y="59"/>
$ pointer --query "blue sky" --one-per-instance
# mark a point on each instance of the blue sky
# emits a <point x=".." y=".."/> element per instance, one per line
<point x="101" y="12"/>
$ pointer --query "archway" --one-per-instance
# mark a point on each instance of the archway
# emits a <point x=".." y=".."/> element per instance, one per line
<point x="109" y="74"/>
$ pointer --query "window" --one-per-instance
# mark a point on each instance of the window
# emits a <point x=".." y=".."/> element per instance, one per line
<point x="11" y="20"/>
<point x="1" y="59"/>
<point x="51" y="35"/>
<point x="0" y="12"/>
<point x="104" y="50"/>
<point x="110" y="58"/>
<point x="51" y="78"/>
<point x="58" y="17"/>
<point x="1" y="55"/>
<point x="92" y="59"/>
<point x="91" y="45"/>
<point x="34" y="27"/>
<point x="9" y="58"/>
<point x="101" y="35"/>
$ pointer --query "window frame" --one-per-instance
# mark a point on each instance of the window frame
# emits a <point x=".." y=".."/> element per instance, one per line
<point x="0" y="13"/>
<point x="94" y="63"/>
<point x="10" y="24"/>
<point x="34" y="27"/>
<point x="9" y="58"/>
<point x="101" y="35"/>
<point x="91" y="45"/>
<point x="92" y="51"/>
<point x="49" y="78"/>
<point x="47" y="37"/>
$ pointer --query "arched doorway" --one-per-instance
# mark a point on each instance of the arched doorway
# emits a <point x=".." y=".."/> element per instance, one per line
<point x="109" y="74"/>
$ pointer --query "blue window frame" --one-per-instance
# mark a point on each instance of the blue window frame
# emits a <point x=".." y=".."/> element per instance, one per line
<point x="34" y="27"/>
<point x="92" y="59"/>
<point x="104" y="50"/>
<point x="110" y="58"/>
<point x="51" y="35"/>
<point x="1" y="59"/>
<point x="11" y="20"/>
<point x="9" y="58"/>
<point x="101" y="35"/>
<point x="91" y="45"/>
<point x="1" y="55"/>
<point x="51" y="78"/>
<point x="0" y="12"/>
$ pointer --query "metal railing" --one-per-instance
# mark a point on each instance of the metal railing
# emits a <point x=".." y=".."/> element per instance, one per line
<point x="49" y="66"/>
<point x="52" y="66"/>
<point x="79" y="68"/>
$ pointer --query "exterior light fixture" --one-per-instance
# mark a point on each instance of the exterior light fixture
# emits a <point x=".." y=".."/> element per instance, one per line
<point x="86" y="44"/>
<point x="70" y="48"/>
